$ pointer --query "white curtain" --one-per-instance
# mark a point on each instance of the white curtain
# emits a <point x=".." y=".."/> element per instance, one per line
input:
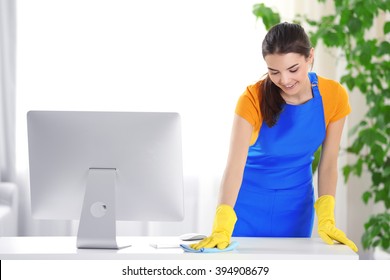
<point x="8" y="189"/>
<point x="7" y="89"/>
<point x="194" y="57"/>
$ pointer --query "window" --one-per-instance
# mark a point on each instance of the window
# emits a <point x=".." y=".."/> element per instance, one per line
<point x="193" y="57"/>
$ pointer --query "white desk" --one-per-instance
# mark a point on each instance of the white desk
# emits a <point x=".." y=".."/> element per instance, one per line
<point x="64" y="248"/>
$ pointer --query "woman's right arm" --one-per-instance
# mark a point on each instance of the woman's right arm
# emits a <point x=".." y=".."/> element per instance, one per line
<point x="238" y="152"/>
<point x="225" y="217"/>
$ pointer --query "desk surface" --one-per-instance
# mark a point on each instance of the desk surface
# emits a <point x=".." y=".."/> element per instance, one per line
<point x="64" y="248"/>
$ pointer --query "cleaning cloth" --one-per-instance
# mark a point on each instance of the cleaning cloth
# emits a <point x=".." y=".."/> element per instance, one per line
<point x="188" y="249"/>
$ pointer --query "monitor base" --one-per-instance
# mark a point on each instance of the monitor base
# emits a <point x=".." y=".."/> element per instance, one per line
<point x="97" y="228"/>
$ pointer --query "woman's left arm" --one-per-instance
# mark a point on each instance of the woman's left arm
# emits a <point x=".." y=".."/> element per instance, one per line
<point x="327" y="168"/>
<point x="327" y="182"/>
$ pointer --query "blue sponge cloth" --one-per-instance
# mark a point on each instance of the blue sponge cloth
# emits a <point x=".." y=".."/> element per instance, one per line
<point x="188" y="249"/>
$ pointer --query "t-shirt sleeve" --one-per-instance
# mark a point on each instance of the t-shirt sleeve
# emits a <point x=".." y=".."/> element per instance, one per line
<point x="248" y="107"/>
<point x="342" y="108"/>
<point x="335" y="100"/>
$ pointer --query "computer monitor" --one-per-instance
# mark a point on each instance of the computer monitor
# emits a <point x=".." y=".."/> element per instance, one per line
<point x="100" y="167"/>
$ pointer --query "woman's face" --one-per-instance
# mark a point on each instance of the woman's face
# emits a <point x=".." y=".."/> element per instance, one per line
<point x="289" y="72"/>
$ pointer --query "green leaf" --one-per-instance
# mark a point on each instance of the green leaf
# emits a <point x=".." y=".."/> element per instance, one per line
<point x="366" y="241"/>
<point x="380" y="196"/>
<point x="386" y="27"/>
<point x="345" y="16"/>
<point x="376" y="243"/>
<point x="359" y="167"/>
<point x="386" y="227"/>
<point x="376" y="178"/>
<point x="386" y="172"/>
<point x="384" y="5"/>
<point x="378" y="153"/>
<point x="385" y="243"/>
<point x="269" y="16"/>
<point x="354" y="129"/>
<point x="371" y="135"/>
<point x="332" y="38"/>
<point x="383" y="49"/>
<point x="365" y="54"/>
<point x="346" y="172"/>
<point x="317" y="156"/>
<point x="354" y="25"/>
<point x="349" y="81"/>
<point x="376" y="230"/>
<point x="356" y="146"/>
<point x="366" y="196"/>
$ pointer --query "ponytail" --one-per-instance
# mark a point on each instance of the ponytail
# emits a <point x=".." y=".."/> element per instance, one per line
<point x="272" y="102"/>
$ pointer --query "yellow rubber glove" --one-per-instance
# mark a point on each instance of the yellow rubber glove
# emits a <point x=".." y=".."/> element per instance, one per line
<point x="326" y="224"/>
<point x="224" y="221"/>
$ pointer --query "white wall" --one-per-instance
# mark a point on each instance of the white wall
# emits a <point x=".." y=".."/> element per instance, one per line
<point x="194" y="57"/>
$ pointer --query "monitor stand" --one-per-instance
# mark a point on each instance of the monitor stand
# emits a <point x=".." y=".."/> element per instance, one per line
<point x="97" y="228"/>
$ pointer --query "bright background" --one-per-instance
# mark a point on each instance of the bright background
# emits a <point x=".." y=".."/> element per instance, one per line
<point x="193" y="57"/>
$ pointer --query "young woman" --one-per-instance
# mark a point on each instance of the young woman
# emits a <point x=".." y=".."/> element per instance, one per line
<point x="267" y="187"/>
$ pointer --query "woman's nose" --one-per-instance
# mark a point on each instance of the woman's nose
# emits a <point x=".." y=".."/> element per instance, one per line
<point x="284" y="79"/>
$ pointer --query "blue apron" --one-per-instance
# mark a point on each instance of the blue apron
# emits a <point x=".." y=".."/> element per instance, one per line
<point x="276" y="196"/>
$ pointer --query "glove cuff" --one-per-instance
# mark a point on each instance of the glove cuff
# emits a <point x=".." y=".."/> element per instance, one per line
<point x="325" y="208"/>
<point x="225" y="219"/>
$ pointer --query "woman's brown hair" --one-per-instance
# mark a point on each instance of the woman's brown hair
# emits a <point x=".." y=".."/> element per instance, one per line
<point x="282" y="38"/>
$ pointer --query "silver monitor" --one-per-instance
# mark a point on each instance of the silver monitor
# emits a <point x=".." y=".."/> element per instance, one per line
<point x="100" y="167"/>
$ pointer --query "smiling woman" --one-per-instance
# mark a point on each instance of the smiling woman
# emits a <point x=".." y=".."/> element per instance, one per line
<point x="292" y="80"/>
<point x="289" y="56"/>
<point x="267" y="189"/>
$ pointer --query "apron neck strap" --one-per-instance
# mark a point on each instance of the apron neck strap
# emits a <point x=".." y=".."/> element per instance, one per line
<point x="314" y="83"/>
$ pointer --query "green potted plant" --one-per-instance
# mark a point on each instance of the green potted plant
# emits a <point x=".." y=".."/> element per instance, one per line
<point x="368" y="72"/>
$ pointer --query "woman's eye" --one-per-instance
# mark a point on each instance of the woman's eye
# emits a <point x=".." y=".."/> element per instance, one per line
<point x="273" y="73"/>
<point x="294" y="70"/>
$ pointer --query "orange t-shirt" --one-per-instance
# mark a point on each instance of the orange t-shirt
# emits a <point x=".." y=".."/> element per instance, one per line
<point x="334" y="100"/>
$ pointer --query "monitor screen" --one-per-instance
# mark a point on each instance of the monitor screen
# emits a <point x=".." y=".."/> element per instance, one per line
<point x="99" y="167"/>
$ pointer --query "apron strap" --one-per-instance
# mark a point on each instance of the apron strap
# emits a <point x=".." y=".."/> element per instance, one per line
<point x="314" y="83"/>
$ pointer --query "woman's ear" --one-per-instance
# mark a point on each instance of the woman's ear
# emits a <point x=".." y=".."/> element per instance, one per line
<point x="311" y="56"/>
